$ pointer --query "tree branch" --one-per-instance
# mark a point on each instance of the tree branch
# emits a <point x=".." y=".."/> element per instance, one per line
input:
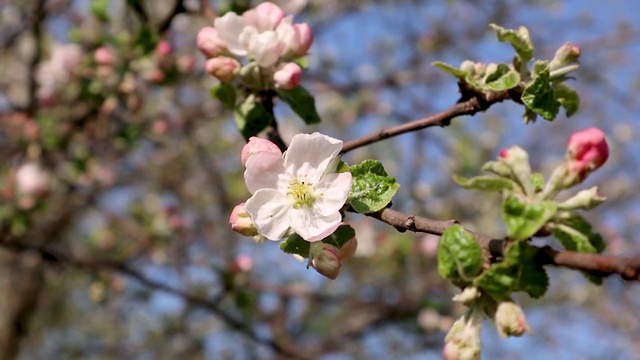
<point x="628" y="267"/>
<point x="469" y="104"/>
<point x="59" y="258"/>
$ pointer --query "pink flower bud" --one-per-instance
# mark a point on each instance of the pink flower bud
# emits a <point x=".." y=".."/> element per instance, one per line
<point x="587" y="150"/>
<point x="324" y="258"/>
<point x="303" y="39"/>
<point x="504" y="153"/>
<point x="256" y="145"/>
<point x="223" y="68"/>
<point x="241" y="222"/>
<point x="270" y="11"/>
<point x="209" y="43"/>
<point x="164" y="48"/>
<point x="348" y="249"/>
<point x="104" y="56"/>
<point x="289" y="76"/>
<point x="510" y="320"/>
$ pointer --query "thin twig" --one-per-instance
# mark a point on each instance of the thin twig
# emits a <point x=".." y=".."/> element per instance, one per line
<point x="469" y="104"/>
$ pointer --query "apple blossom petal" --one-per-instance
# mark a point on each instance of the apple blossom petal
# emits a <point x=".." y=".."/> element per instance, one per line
<point x="228" y="28"/>
<point x="269" y="210"/>
<point x="263" y="171"/>
<point x="332" y="192"/>
<point x="312" y="226"/>
<point x="264" y="48"/>
<point x="309" y="155"/>
<point x="268" y="15"/>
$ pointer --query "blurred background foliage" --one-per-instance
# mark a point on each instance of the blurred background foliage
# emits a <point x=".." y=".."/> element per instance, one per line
<point x="123" y="249"/>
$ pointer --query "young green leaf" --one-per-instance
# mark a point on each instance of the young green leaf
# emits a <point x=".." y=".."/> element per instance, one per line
<point x="519" y="39"/>
<point x="517" y="272"/>
<point x="485" y="183"/>
<point x="517" y="159"/>
<point x="449" y="69"/>
<point x="372" y="189"/>
<point x="499" y="168"/>
<point x="302" y="103"/>
<point x="459" y="256"/>
<point x="343" y="234"/>
<point x="225" y="93"/>
<point x="576" y="234"/>
<point x="524" y="218"/>
<point x="568" y="98"/>
<point x="342" y="167"/>
<point x="252" y="117"/>
<point x="294" y="244"/>
<point x="537" y="179"/>
<point x="503" y="78"/>
<point x="538" y="96"/>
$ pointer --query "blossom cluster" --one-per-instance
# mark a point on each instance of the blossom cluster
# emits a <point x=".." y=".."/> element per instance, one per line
<point x="264" y="38"/>
<point x="298" y="192"/>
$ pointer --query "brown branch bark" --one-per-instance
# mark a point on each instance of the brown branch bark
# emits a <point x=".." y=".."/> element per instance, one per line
<point x="628" y="267"/>
<point x="24" y="275"/>
<point x="469" y="104"/>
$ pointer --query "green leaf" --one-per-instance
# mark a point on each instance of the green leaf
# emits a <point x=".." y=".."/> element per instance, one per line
<point x="537" y="179"/>
<point x="538" y="67"/>
<point x="342" y="167"/>
<point x="538" y="96"/>
<point x="449" y="69"/>
<point x="529" y="116"/>
<point x="372" y="188"/>
<point x="568" y="98"/>
<point x="499" y="168"/>
<point x="517" y="272"/>
<point x="100" y="9"/>
<point x="576" y="234"/>
<point x="519" y="39"/>
<point x="146" y="39"/>
<point x="294" y="244"/>
<point x="503" y="78"/>
<point x="225" y="93"/>
<point x="343" y="234"/>
<point x="517" y="159"/>
<point x="302" y="103"/>
<point x="252" y="117"/>
<point x="485" y="183"/>
<point x="525" y="219"/>
<point x="459" y="256"/>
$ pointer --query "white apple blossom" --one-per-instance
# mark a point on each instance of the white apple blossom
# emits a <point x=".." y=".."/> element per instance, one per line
<point x="300" y="191"/>
<point x="262" y="34"/>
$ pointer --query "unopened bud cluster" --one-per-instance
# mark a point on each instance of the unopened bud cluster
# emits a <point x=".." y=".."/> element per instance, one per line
<point x="258" y="47"/>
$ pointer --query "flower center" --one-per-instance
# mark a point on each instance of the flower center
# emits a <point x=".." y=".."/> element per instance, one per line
<point x="301" y="194"/>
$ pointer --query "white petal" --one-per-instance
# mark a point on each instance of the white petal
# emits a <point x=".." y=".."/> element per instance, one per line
<point x="332" y="192"/>
<point x="269" y="211"/>
<point x="265" y="48"/>
<point x="312" y="226"/>
<point x="229" y="27"/>
<point x="263" y="169"/>
<point x="309" y="155"/>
